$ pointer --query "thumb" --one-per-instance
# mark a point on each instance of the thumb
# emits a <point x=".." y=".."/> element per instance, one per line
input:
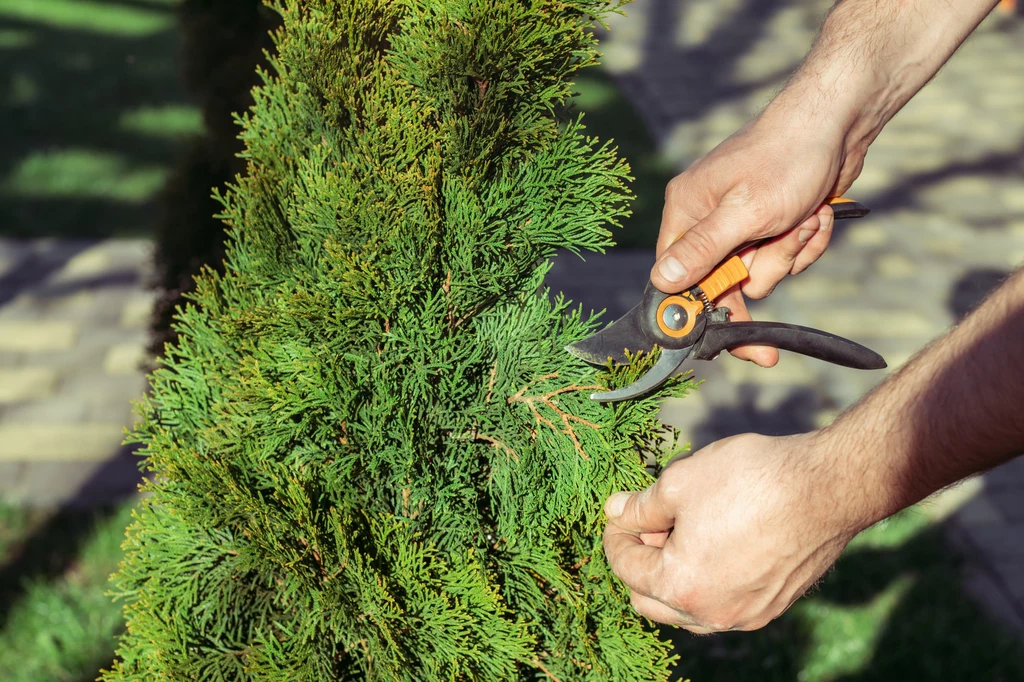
<point x="642" y="512"/>
<point x="699" y="249"/>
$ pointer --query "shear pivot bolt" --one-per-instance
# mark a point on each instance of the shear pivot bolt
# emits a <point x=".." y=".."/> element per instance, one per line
<point x="674" y="317"/>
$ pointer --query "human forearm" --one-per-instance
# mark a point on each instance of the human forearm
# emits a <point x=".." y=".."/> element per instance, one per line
<point x="869" y="59"/>
<point x="956" y="409"/>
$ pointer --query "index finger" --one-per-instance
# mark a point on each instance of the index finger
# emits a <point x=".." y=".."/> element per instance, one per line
<point x="637" y="565"/>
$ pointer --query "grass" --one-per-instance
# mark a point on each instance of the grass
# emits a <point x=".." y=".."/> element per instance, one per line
<point x="56" y="622"/>
<point x="93" y="113"/>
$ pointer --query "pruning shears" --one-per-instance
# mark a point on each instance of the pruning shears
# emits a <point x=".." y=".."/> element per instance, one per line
<point x="689" y="324"/>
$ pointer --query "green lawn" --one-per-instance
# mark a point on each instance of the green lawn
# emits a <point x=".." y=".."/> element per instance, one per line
<point x="93" y="114"/>
<point x="56" y="622"/>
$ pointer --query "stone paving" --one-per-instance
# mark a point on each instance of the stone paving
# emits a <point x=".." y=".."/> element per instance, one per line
<point x="945" y="181"/>
<point x="73" y="318"/>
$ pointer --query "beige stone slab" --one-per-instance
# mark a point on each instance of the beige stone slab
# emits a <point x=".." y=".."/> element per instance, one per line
<point x="137" y="310"/>
<point x="26" y="336"/>
<point x="809" y="287"/>
<point x="19" y="384"/>
<point x="876" y="324"/>
<point x="866" y="235"/>
<point x="791" y="371"/>
<point x="42" y="441"/>
<point x="945" y="503"/>
<point x="895" y="266"/>
<point x="125" y="359"/>
<point x="91" y="262"/>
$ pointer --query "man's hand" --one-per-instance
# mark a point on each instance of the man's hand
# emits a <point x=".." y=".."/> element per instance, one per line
<point x="767" y="180"/>
<point x="729" y="538"/>
<point x="770" y="179"/>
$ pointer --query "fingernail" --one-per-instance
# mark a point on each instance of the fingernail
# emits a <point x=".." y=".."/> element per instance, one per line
<point x="671" y="269"/>
<point x="805" y="234"/>
<point x="616" y="504"/>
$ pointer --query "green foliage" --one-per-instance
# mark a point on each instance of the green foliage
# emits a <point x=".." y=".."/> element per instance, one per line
<point x="373" y="458"/>
<point x="56" y="622"/>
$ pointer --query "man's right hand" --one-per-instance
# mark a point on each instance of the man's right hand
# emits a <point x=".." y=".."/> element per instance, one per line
<point x="767" y="181"/>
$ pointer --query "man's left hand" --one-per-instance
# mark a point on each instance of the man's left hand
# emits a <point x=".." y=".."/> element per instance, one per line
<point x="730" y="537"/>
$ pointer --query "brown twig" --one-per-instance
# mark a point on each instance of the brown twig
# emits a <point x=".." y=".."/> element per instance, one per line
<point x="497" y="444"/>
<point x="490" y="384"/>
<point x="551" y="675"/>
<point x="548" y="399"/>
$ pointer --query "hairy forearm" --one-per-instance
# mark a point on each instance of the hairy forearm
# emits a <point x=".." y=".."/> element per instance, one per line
<point x="954" y="410"/>
<point x="870" y="58"/>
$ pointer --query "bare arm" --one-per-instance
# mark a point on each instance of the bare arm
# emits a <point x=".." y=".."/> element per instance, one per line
<point x="730" y="537"/>
<point x="956" y="409"/>
<point x="770" y="178"/>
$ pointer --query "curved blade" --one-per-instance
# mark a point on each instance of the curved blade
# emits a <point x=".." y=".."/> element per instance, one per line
<point x="804" y="340"/>
<point x="625" y="333"/>
<point x="668" y="363"/>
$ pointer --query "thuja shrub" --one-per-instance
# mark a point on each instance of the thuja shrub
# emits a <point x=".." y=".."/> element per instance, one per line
<point x="371" y="457"/>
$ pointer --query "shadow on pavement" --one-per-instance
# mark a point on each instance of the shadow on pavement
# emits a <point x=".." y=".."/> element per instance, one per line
<point x="972" y="288"/>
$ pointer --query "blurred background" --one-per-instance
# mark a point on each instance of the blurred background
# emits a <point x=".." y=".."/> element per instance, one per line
<point x="115" y="122"/>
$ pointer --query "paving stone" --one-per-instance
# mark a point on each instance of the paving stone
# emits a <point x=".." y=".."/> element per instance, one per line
<point x="125" y="359"/>
<point x="1012" y="574"/>
<point x="895" y="266"/>
<point x="1010" y="503"/>
<point x="1008" y="476"/>
<point x="952" y="500"/>
<point x="791" y="370"/>
<point x="987" y="589"/>
<point x="95" y="260"/>
<point x="872" y="324"/>
<point x="19" y="384"/>
<point x="814" y="288"/>
<point x="999" y="541"/>
<point x="73" y="484"/>
<point x="36" y="442"/>
<point x="137" y="310"/>
<point x="980" y="511"/>
<point x="33" y="336"/>
<point x="865" y="234"/>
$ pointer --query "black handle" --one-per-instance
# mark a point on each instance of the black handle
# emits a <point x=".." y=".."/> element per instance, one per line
<point x="804" y="340"/>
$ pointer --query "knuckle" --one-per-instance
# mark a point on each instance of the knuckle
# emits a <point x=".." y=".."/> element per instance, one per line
<point x="696" y="245"/>
<point x="761" y="288"/>
<point x="681" y="600"/>
<point x="667" y="490"/>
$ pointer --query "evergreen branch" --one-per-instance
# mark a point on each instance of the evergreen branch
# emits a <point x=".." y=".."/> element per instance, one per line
<point x="548" y="399"/>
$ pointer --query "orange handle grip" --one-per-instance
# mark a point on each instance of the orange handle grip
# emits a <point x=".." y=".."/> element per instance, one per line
<point x="731" y="272"/>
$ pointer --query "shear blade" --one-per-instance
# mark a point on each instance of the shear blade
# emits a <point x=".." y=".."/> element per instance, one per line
<point x="669" y="362"/>
<point x="625" y="333"/>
